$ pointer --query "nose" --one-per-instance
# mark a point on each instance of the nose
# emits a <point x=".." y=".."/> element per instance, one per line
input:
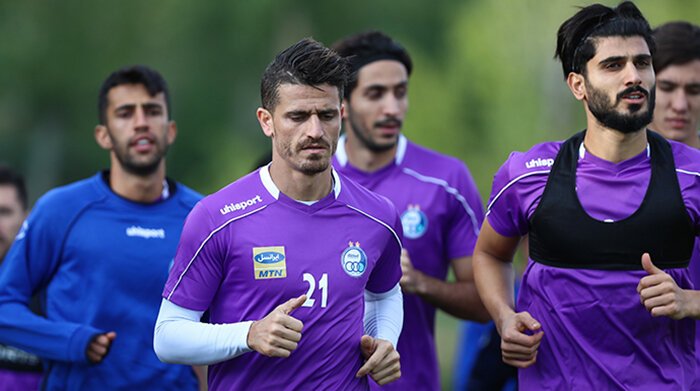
<point x="140" y="122"/>
<point x="632" y="75"/>
<point x="679" y="101"/>
<point x="314" y="129"/>
<point x="391" y="106"/>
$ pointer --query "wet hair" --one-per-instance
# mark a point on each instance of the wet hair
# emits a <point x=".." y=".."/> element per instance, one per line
<point x="367" y="47"/>
<point x="136" y="74"/>
<point x="677" y="43"/>
<point x="11" y="178"/>
<point x="576" y="38"/>
<point x="307" y="62"/>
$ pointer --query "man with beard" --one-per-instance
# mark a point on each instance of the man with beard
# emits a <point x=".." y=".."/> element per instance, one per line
<point x="440" y="207"/>
<point x="298" y="266"/>
<point x="606" y="299"/>
<point x="98" y="251"/>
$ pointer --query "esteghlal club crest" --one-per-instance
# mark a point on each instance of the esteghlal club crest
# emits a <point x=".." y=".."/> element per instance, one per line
<point x="354" y="260"/>
<point x="414" y="222"/>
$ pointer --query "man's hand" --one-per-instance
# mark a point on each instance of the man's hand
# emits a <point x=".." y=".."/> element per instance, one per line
<point x="518" y="347"/>
<point x="660" y="294"/>
<point x="278" y="333"/>
<point x="382" y="360"/>
<point x="410" y="277"/>
<point x="99" y="346"/>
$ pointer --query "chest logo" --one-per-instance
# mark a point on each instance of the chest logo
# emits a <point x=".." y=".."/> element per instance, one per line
<point x="269" y="262"/>
<point x="354" y="260"/>
<point x="414" y="222"/>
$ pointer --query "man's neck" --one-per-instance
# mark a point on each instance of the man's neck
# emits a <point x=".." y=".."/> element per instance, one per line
<point x="137" y="188"/>
<point x="612" y="145"/>
<point x="366" y="159"/>
<point x="300" y="186"/>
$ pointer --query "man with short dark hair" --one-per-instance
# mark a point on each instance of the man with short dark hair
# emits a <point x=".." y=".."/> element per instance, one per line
<point x="98" y="251"/>
<point x="677" y="67"/>
<point x="297" y="266"/>
<point x="19" y="370"/>
<point x="611" y="215"/>
<point x="677" y="112"/>
<point x="440" y="207"/>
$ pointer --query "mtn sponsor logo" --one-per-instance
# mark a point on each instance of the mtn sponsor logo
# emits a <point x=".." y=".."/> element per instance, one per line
<point x="269" y="262"/>
<point x="242" y="205"/>
<point x="146" y="233"/>
<point x="539" y="162"/>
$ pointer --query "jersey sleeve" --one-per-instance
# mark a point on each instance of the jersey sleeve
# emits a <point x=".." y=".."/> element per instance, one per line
<point x="387" y="272"/>
<point x="505" y="211"/>
<point x="467" y="214"/>
<point x="33" y="260"/>
<point x="197" y="269"/>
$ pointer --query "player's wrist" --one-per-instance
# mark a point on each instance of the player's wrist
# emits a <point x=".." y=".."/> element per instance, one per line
<point x="692" y="304"/>
<point x="250" y="337"/>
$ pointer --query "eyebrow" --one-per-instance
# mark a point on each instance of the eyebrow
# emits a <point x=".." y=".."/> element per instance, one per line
<point x="614" y="59"/>
<point x="131" y="106"/>
<point x="402" y="83"/>
<point x="310" y="112"/>
<point x="676" y="84"/>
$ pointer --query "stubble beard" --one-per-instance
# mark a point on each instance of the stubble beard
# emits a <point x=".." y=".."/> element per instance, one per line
<point x="132" y="165"/>
<point x="364" y="137"/>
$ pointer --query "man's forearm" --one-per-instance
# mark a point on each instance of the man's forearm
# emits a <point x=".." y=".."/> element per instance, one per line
<point x="181" y="339"/>
<point x="458" y="298"/>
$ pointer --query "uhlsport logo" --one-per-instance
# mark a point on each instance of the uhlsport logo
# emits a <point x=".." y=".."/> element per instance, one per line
<point x="269" y="262"/>
<point x="414" y="222"/>
<point x="354" y="260"/>
<point x="539" y="162"/>
<point x="234" y="206"/>
<point x="146" y="233"/>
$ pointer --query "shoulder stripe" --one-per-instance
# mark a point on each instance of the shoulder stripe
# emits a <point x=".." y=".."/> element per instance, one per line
<point x="201" y="246"/>
<point x="687" y="172"/>
<point x="488" y="208"/>
<point x="387" y="226"/>
<point x="450" y="190"/>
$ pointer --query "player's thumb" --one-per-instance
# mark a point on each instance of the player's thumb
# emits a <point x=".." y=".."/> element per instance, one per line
<point x="527" y="322"/>
<point x="111" y="335"/>
<point x="649" y="266"/>
<point x="292" y="304"/>
<point x="367" y="345"/>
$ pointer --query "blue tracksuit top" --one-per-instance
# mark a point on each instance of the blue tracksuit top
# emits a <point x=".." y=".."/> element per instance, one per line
<point x="99" y="263"/>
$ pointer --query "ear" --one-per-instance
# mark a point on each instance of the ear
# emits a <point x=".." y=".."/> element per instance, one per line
<point x="172" y="132"/>
<point x="266" y="123"/>
<point x="577" y="85"/>
<point x="343" y="112"/>
<point x="102" y="137"/>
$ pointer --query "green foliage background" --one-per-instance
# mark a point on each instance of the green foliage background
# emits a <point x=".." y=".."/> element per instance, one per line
<point x="484" y="84"/>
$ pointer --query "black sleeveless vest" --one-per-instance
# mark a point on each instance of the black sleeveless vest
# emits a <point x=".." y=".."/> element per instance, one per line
<point x="562" y="234"/>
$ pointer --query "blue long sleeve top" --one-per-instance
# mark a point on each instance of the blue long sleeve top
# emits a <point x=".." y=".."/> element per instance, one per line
<point x="99" y="263"/>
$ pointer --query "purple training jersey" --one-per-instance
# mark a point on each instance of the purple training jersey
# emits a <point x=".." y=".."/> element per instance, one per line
<point x="441" y="213"/>
<point x="249" y="248"/>
<point x="597" y="334"/>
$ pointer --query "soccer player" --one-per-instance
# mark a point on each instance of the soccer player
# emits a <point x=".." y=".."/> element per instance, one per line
<point x="298" y="266"/>
<point x="19" y="370"/>
<point x="98" y="251"/>
<point x="440" y="207"/>
<point x="677" y="67"/>
<point x="611" y="213"/>
<point x="677" y="112"/>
